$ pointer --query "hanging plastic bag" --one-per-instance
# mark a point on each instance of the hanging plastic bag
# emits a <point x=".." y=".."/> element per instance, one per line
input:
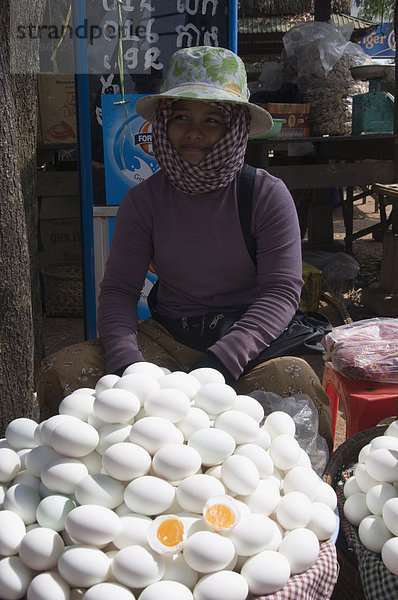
<point x="366" y="349"/>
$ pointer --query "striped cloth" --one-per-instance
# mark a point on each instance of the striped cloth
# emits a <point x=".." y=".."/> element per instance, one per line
<point x="317" y="583"/>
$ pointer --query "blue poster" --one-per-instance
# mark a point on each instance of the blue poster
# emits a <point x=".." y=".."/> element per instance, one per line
<point x="381" y="42"/>
<point x="128" y="157"/>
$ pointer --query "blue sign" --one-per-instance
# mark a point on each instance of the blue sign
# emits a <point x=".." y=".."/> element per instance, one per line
<point x="381" y="42"/>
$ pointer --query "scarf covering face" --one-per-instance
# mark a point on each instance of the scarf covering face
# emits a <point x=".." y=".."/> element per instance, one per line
<point x="219" y="166"/>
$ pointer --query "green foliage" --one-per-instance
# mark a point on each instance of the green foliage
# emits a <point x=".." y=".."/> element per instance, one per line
<point x="377" y="10"/>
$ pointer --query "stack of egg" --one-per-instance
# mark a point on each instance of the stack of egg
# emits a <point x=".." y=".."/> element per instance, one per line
<point x="157" y="485"/>
<point x="372" y="496"/>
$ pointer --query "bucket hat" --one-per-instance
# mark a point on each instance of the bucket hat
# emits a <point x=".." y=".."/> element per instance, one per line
<point x="209" y="74"/>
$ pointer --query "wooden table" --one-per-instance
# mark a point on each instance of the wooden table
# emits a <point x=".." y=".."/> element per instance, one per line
<point x="344" y="162"/>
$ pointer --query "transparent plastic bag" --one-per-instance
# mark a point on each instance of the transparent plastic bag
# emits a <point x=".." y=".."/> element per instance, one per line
<point x="305" y="416"/>
<point x="366" y="349"/>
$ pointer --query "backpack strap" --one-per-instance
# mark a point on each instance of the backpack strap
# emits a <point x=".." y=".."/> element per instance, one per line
<point x="245" y="200"/>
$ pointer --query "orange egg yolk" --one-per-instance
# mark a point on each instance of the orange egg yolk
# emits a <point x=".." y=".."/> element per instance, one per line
<point x="220" y="515"/>
<point x="170" y="532"/>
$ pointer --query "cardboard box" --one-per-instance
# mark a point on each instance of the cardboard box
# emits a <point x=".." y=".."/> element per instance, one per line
<point x="57" y="108"/>
<point x="311" y="290"/>
<point x="297" y="118"/>
<point x="60" y="239"/>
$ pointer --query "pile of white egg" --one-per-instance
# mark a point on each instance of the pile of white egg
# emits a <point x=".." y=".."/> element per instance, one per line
<point x="371" y="496"/>
<point x="157" y="485"/>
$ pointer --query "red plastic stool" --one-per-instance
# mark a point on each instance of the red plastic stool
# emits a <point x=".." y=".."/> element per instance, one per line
<point x="365" y="403"/>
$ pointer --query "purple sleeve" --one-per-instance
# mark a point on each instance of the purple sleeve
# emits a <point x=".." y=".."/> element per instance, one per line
<point x="120" y="290"/>
<point x="279" y="276"/>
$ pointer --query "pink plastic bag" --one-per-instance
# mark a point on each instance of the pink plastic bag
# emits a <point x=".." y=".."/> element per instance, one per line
<point x="365" y="349"/>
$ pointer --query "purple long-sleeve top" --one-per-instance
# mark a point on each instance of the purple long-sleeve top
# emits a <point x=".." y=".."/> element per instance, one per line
<point x="196" y="245"/>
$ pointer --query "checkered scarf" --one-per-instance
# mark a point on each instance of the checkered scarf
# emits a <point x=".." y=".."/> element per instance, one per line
<point x="220" y="165"/>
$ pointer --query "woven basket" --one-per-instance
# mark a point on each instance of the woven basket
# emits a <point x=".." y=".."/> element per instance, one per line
<point x="63" y="291"/>
<point x="349" y="585"/>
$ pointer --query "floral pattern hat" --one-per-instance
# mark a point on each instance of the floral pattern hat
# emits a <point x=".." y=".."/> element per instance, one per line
<point x="209" y="74"/>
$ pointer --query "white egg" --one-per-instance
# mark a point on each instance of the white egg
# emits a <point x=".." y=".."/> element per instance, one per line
<point x="27" y="478"/>
<point x="323" y="521"/>
<point x="240" y="475"/>
<point x="181" y="381"/>
<point x="78" y="404"/>
<point x="392" y="429"/>
<point x="265" y="497"/>
<point x="301" y="548"/>
<point x="351" y="487"/>
<point x="74" y="438"/>
<point x="213" y="445"/>
<point x="382" y="465"/>
<point x="134" y="528"/>
<point x="3" y="489"/>
<point x="168" y="403"/>
<point x="215" y="398"/>
<point x="250" y="406"/>
<point x="22" y="500"/>
<point x="378" y="495"/>
<point x="99" y="489"/>
<point x="116" y="405"/>
<point x="92" y="525"/>
<point x="126" y="461"/>
<point x="39" y="457"/>
<point x="166" y="534"/>
<point x="266" y="572"/>
<point x="93" y="462"/>
<point x="206" y="551"/>
<point x="10" y="464"/>
<point x="195" y="419"/>
<point x="63" y="474"/>
<point x="176" y="461"/>
<point x="153" y="433"/>
<point x="259" y="457"/>
<point x="390" y="515"/>
<point x="48" y="586"/>
<point x="15" y="578"/>
<point x="167" y="590"/>
<point x="112" y="434"/>
<point x="108" y="590"/>
<point x="373" y="533"/>
<point x="389" y="555"/>
<point x="106" y="382"/>
<point x="355" y="508"/>
<point x="252" y="534"/>
<point x="83" y="566"/>
<point x="52" y="511"/>
<point x="279" y="423"/>
<point x="41" y="548"/>
<point x="20" y="433"/>
<point x="137" y="567"/>
<point x="277" y="536"/>
<point x="12" y="530"/>
<point x="300" y="479"/>
<point x="149" y="495"/>
<point x="294" y="510"/>
<point x="146" y="368"/>
<point x="193" y="491"/>
<point x="48" y="426"/>
<point x="223" y="585"/>
<point x="364" y="453"/>
<point x="139" y="384"/>
<point x="192" y="522"/>
<point x="263" y="439"/>
<point x="363" y="478"/>
<point x="207" y="375"/>
<point x="326" y="494"/>
<point x="241" y="426"/>
<point x="221" y="513"/>
<point x="284" y="451"/>
<point x="384" y="441"/>
<point x="178" y="570"/>
<point x="23" y="453"/>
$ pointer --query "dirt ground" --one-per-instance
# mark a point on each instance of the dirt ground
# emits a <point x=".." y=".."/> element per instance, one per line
<point x="339" y="302"/>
